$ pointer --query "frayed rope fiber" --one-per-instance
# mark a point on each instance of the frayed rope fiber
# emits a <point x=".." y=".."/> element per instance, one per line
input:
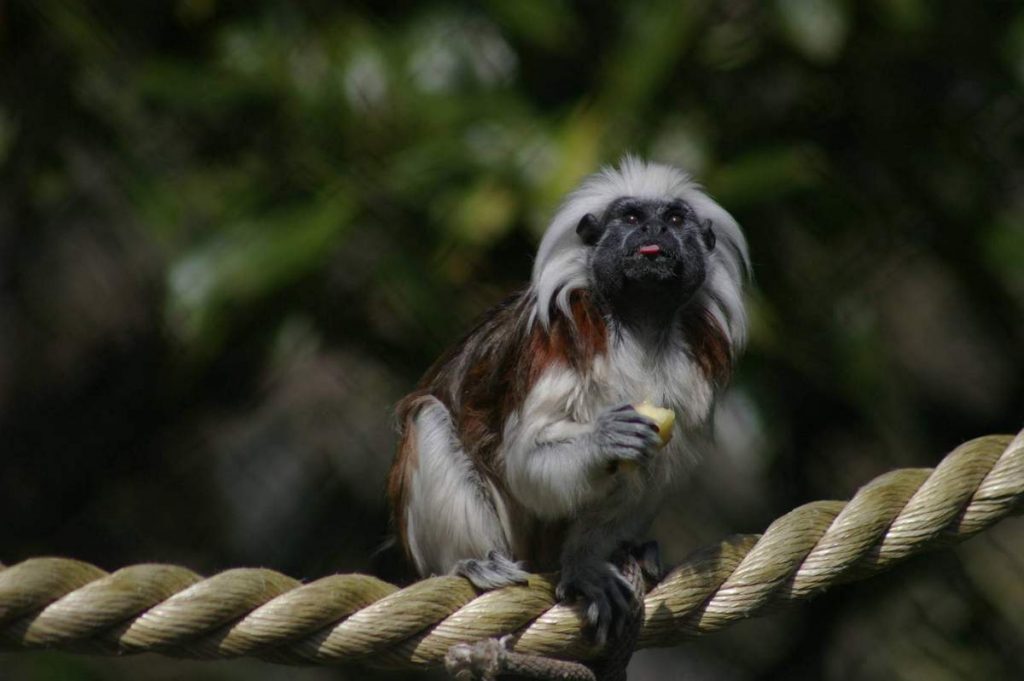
<point x="64" y="604"/>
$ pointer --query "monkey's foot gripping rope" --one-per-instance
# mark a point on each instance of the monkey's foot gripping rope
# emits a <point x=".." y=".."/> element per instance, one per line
<point x="492" y="658"/>
<point x="70" y="605"/>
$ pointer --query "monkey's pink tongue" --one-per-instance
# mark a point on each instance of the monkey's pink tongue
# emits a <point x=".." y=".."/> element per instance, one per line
<point x="650" y="249"/>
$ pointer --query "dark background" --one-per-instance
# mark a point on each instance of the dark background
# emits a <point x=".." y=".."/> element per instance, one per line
<point x="233" y="233"/>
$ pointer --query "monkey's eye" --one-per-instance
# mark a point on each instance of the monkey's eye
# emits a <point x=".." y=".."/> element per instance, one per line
<point x="675" y="219"/>
<point x="631" y="218"/>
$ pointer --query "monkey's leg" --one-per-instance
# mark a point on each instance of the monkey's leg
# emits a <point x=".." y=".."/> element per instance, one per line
<point x="454" y="514"/>
<point x="590" y="575"/>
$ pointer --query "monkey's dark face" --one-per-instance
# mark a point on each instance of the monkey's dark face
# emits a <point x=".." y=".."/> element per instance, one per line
<point x="647" y="253"/>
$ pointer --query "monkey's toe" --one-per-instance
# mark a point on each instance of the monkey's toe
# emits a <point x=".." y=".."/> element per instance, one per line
<point x="648" y="555"/>
<point x="493" y="572"/>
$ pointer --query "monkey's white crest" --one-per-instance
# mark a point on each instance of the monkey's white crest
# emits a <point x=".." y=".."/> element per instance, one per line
<point x="562" y="259"/>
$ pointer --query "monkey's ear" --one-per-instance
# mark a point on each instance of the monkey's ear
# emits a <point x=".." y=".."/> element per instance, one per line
<point x="589" y="229"/>
<point x="707" y="233"/>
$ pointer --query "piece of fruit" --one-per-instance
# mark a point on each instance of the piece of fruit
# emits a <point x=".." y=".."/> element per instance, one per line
<point x="665" y="418"/>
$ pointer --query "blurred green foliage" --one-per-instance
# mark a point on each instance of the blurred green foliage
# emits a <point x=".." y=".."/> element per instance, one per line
<point x="232" y="234"/>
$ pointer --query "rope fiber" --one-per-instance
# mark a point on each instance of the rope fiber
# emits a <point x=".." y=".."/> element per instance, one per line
<point x="65" y="604"/>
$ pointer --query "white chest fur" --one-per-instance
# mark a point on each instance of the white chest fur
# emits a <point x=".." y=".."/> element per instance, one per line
<point x="564" y="404"/>
<point x="629" y="372"/>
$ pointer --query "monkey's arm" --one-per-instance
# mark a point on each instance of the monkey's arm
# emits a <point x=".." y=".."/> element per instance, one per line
<point x="556" y="465"/>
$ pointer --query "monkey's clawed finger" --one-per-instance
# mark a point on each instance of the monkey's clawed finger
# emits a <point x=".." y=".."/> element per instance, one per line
<point x="627" y="414"/>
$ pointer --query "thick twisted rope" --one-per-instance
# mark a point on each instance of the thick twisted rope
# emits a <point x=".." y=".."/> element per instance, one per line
<point x="70" y="605"/>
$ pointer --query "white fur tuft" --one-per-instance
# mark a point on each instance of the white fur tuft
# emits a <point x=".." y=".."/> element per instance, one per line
<point x="561" y="265"/>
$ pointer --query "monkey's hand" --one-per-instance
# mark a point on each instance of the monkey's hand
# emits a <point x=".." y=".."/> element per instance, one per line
<point x="603" y="592"/>
<point x="624" y="434"/>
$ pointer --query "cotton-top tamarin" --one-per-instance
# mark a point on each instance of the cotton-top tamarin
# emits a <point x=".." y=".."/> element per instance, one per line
<point x="522" y="446"/>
